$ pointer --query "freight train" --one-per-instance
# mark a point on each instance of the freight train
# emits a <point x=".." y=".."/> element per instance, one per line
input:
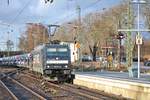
<point x="52" y="60"/>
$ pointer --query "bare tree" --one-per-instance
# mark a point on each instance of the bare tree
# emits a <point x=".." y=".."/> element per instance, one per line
<point x="102" y="25"/>
<point x="33" y="36"/>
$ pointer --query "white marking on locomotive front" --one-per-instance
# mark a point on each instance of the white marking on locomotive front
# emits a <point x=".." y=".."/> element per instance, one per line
<point x="57" y="61"/>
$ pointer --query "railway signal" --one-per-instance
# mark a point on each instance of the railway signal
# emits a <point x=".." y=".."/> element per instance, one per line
<point x="77" y="44"/>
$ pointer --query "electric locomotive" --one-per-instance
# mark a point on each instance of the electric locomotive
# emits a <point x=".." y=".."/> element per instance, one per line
<point x="53" y="61"/>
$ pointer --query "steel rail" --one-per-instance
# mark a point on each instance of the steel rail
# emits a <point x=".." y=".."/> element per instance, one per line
<point x="68" y="90"/>
<point x="26" y="88"/>
<point x="86" y="95"/>
<point x="9" y="91"/>
<point x="8" y="74"/>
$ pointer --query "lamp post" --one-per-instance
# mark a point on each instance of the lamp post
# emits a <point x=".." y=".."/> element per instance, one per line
<point x="138" y="2"/>
<point x="75" y="35"/>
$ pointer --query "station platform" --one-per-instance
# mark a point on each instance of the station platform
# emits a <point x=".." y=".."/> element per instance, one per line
<point x="117" y="83"/>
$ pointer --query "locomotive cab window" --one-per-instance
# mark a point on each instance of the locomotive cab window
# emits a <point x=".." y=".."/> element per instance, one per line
<point x="62" y="49"/>
<point x="51" y="50"/>
<point x="57" y="50"/>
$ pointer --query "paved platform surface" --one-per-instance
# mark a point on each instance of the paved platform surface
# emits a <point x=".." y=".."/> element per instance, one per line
<point x="118" y="83"/>
<point x="124" y="76"/>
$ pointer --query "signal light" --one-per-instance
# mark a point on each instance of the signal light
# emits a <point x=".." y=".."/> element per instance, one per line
<point x="77" y="44"/>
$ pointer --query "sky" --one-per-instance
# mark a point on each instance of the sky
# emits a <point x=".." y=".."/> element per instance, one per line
<point x="21" y="11"/>
<point x="13" y="17"/>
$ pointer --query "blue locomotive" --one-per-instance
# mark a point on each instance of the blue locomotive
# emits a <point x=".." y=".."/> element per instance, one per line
<point x="52" y="60"/>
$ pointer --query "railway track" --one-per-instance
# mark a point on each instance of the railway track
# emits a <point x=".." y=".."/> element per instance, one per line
<point x="82" y="92"/>
<point x="20" y="90"/>
<point x="7" y="93"/>
<point x="16" y="90"/>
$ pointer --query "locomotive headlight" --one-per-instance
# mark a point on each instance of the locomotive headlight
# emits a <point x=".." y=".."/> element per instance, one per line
<point x="48" y="66"/>
<point x="66" y="71"/>
<point x="66" y="66"/>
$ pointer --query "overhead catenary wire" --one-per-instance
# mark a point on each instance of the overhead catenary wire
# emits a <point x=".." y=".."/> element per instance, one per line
<point x="18" y="14"/>
<point x="21" y="11"/>
<point x="71" y="14"/>
<point x="74" y="12"/>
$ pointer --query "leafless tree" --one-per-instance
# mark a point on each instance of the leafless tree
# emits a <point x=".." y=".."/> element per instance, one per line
<point x="33" y="36"/>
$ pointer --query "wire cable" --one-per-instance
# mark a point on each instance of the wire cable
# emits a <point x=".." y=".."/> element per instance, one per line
<point x="74" y="12"/>
<point x="21" y="11"/>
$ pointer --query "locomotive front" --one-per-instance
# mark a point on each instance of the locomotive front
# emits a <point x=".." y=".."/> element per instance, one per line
<point x="57" y="62"/>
